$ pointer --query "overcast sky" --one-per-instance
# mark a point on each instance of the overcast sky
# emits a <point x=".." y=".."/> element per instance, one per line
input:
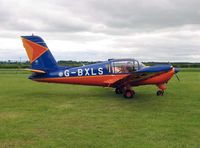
<point x="148" y="30"/>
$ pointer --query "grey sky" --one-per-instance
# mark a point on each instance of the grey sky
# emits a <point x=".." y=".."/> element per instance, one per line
<point x="148" y="30"/>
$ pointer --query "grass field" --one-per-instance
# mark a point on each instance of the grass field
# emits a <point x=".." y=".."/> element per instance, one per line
<point x="54" y="115"/>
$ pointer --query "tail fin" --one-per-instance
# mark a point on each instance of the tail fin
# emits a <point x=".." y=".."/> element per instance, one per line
<point x="38" y="53"/>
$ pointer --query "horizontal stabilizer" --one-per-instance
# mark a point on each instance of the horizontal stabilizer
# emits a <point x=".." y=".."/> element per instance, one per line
<point x="35" y="70"/>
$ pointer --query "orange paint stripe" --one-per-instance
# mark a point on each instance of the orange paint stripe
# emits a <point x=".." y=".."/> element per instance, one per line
<point x="100" y="80"/>
<point x="107" y="80"/>
<point x="159" y="79"/>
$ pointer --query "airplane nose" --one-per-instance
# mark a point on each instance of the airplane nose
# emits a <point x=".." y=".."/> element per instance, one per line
<point x="176" y="70"/>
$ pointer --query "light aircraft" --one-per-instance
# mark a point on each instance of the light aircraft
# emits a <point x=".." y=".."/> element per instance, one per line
<point x="121" y="74"/>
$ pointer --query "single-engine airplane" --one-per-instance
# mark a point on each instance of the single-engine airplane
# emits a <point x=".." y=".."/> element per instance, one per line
<point x="121" y="74"/>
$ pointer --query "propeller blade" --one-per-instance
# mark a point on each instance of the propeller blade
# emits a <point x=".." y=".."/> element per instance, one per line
<point x="177" y="77"/>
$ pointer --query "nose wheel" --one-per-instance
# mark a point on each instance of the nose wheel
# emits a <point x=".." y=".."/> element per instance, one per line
<point x="162" y="87"/>
<point x="160" y="93"/>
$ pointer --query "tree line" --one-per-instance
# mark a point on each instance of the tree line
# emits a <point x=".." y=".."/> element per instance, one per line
<point x="25" y="64"/>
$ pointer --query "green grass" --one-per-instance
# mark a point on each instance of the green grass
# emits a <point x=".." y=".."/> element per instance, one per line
<point x="189" y="69"/>
<point x="54" y="115"/>
<point x="14" y="71"/>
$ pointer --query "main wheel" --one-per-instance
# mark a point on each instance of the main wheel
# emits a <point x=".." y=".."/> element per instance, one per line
<point x="118" y="91"/>
<point x="129" y="94"/>
<point x="160" y="93"/>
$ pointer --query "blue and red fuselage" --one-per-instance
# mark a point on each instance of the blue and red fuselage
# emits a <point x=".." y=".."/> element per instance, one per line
<point x="104" y="74"/>
<point x="116" y="73"/>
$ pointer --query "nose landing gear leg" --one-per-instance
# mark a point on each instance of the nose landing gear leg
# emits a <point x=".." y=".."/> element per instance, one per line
<point x="162" y="87"/>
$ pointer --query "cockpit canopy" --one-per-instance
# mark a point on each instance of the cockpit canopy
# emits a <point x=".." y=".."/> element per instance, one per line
<point x="125" y="65"/>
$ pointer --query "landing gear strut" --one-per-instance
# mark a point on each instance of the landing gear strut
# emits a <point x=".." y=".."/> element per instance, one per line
<point x="162" y="87"/>
<point x="118" y="90"/>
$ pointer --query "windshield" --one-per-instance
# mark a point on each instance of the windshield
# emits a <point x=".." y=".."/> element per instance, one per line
<point x="141" y="65"/>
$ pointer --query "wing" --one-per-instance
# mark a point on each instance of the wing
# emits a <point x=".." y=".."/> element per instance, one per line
<point x="136" y="77"/>
<point x="132" y="78"/>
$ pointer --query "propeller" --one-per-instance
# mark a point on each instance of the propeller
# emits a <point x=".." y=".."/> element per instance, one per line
<point x="176" y="70"/>
<point x="177" y="77"/>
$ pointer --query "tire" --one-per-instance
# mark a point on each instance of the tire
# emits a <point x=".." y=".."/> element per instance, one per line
<point x="160" y="93"/>
<point x="128" y="94"/>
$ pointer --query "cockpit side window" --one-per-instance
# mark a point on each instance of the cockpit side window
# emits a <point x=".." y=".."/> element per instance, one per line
<point x="127" y="66"/>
